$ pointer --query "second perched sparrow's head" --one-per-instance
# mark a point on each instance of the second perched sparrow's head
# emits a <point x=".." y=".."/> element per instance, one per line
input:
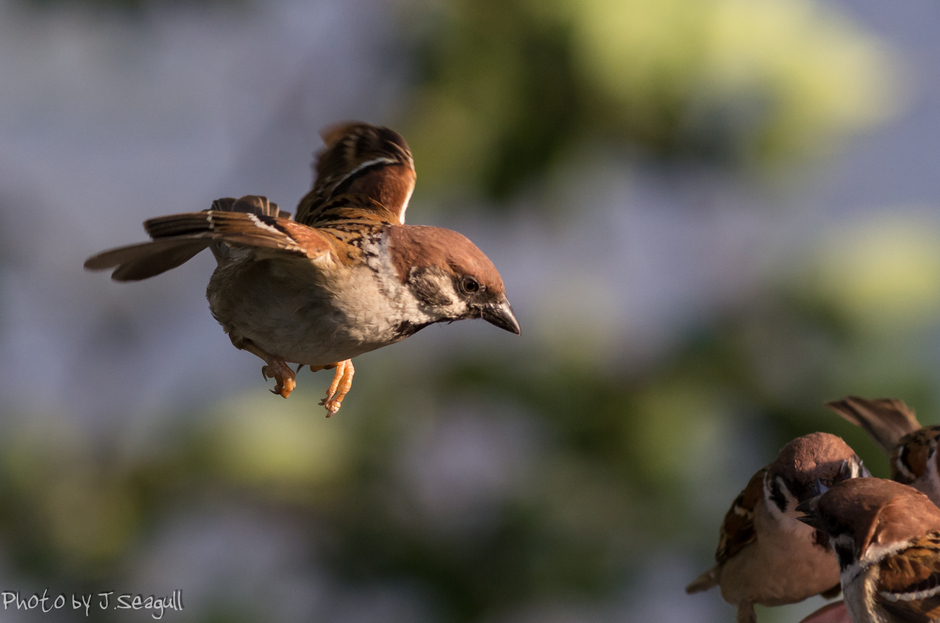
<point x="869" y="516"/>
<point x="806" y="463"/>
<point x="451" y="278"/>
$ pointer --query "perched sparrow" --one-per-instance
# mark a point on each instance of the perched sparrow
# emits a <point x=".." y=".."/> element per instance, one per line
<point x="886" y="536"/>
<point x="765" y="555"/>
<point x="345" y="278"/>
<point x="894" y="427"/>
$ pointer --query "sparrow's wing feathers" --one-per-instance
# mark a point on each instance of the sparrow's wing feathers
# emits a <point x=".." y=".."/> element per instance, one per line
<point x="247" y="222"/>
<point x="737" y="529"/>
<point x="885" y="420"/>
<point x="360" y="159"/>
<point x="909" y="581"/>
<point x="253" y="204"/>
<point x="147" y="259"/>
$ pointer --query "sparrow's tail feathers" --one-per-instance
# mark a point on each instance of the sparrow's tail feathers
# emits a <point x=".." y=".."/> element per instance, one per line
<point x="707" y="580"/>
<point x="885" y="420"/>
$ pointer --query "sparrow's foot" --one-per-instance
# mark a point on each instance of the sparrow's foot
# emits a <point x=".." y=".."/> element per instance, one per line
<point x="283" y="376"/>
<point x="275" y="367"/>
<point x="342" y="381"/>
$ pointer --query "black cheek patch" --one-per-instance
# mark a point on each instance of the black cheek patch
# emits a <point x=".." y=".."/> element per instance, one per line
<point x="776" y="495"/>
<point x="427" y="289"/>
<point x="845" y="555"/>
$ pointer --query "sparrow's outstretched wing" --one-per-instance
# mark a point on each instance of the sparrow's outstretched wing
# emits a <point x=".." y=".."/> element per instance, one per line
<point x="371" y="162"/>
<point x="250" y="221"/>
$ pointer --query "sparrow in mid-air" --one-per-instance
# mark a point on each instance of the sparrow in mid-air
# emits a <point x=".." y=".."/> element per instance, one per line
<point x="344" y="278"/>
<point x="894" y="427"/>
<point x="765" y="554"/>
<point x="886" y="536"/>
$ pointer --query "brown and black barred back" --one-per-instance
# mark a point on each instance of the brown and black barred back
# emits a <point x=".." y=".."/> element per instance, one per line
<point x="913" y="581"/>
<point x="911" y="456"/>
<point x="360" y="159"/>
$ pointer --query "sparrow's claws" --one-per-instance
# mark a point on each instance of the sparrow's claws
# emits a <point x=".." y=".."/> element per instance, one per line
<point x="283" y="376"/>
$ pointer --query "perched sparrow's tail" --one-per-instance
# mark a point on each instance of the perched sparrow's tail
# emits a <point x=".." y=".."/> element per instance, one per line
<point x="707" y="580"/>
<point x="251" y="221"/>
<point x="885" y="420"/>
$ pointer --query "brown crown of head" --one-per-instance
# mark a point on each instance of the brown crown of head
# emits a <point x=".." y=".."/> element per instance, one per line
<point x="876" y="511"/>
<point x="815" y="457"/>
<point x="415" y="246"/>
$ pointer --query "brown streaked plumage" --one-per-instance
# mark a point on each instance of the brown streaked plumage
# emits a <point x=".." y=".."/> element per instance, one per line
<point x="360" y="159"/>
<point x="887" y="539"/>
<point x="343" y="279"/>
<point x="765" y="555"/>
<point x="894" y="427"/>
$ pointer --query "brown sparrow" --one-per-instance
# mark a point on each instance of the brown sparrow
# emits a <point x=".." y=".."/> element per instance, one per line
<point x="886" y="536"/>
<point x="344" y="278"/>
<point x="765" y="555"/>
<point x="894" y="427"/>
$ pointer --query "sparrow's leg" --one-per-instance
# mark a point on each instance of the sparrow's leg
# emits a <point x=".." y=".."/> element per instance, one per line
<point x="276" y="368"/>
<point x="342" y="381"/>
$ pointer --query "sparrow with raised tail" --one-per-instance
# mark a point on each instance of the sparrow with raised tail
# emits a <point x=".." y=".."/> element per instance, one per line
<point x="886" y="536"/>
<point x="894" y="427"/>
<point x="765" y="554"/>
<point x="344" y="278"/>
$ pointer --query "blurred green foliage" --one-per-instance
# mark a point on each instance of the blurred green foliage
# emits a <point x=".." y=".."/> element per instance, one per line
<point x="508" y="88"/>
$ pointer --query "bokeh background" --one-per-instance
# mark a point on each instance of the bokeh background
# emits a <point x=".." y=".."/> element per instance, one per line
<point x="711" y="216"/>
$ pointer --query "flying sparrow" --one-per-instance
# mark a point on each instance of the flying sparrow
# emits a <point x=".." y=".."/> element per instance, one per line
<point x="886" y="536"/>
<point x="765" y="555"/>
<point x="344" y="278"/>
<point x="894" y="427"/>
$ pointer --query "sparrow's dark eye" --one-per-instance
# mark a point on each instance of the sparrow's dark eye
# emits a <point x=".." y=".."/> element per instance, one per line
<point x="470" y="285"/>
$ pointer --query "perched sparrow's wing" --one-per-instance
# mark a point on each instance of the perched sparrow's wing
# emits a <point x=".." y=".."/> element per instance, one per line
<point x="908" y="585"/>
<point x="737" y="530"/>
<point x="361" y="159"/>
<point x="179" y="237"/>
<point x="885" y="420"/>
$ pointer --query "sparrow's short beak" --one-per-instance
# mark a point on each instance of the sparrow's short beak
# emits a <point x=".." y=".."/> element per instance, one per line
<point x="501" y="315"/>
<point x="810" y="517"/>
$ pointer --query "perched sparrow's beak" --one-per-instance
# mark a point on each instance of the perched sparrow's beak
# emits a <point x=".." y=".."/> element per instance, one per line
<point x="810" y="516"/>
<point x="500" y="314"/>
